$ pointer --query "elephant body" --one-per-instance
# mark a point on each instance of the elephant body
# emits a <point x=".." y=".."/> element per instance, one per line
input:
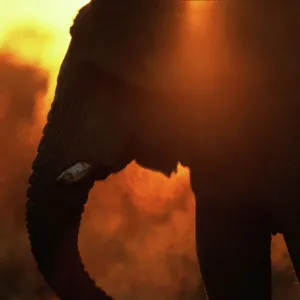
<point x="127" y="91"/>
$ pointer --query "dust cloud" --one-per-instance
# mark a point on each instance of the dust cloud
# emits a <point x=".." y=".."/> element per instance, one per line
<point x="21" y="86"/>
<point x="137" y="236"/>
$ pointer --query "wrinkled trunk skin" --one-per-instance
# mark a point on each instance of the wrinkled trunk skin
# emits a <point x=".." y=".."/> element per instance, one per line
<point x="53" y="220"/>
<point x="72" y="134"/>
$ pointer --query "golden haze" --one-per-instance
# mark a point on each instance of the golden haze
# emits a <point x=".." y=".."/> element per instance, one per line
<point x="137" y="234"/>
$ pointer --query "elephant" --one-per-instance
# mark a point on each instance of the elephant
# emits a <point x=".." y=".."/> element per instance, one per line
<point x="120" y="97"/>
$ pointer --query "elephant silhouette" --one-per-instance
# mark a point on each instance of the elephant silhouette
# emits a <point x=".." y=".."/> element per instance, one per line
<point x="119" y="98"/>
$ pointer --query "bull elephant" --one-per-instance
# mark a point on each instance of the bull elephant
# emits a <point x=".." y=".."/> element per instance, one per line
<point x="118" y="100"/>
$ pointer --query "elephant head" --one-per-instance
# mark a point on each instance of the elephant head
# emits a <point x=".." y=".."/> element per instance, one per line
<point x="98" y="123"/>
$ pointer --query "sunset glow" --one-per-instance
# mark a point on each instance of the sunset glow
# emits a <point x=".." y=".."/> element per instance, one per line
<point x="137" y="235"/>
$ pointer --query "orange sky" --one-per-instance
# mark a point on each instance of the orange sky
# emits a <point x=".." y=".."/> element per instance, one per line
<point x="38" y="32"/>
<point x="54" y="16"/>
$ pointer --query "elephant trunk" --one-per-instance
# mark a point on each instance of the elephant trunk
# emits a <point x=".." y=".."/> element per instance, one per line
<point x="53" y="215"/>
<point x="83" y="131"/>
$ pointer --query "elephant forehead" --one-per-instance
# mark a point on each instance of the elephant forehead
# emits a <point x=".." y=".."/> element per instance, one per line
<point x="156" y="45"/>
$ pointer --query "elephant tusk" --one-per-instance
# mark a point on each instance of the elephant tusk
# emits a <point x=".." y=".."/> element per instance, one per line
<point x="75" y="173"/>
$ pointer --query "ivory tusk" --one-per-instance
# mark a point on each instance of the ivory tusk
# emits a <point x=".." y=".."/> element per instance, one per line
<point x="75" y="173"/>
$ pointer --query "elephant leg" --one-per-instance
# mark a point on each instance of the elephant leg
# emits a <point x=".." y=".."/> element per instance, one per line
<point x="287" y="214"/>
<point x="233" y="247"/>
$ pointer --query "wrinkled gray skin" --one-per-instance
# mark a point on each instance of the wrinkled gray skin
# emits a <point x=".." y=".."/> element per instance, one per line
<point x="244" y="172"/>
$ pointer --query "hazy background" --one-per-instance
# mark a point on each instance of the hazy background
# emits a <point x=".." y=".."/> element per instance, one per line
<point x="137" y="237"/>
